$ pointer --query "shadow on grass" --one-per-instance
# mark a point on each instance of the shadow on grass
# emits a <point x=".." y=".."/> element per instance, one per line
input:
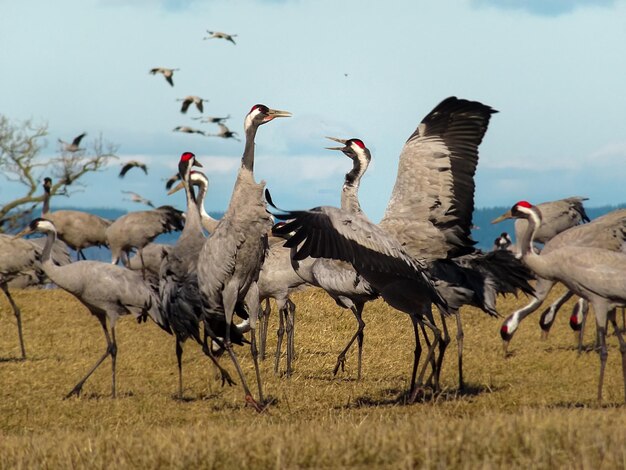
<point x="12" y="359"/>
<point x="100" y="396"/>
<point x="398" y="397"/>
<point x="592" y="405"/>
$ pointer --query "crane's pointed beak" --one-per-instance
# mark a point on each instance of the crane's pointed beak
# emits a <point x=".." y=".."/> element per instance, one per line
<point x="25" y="231"/>
<point x="506" y="215"/>
<point x="196" y="163"/>
<point x="341" y="141"/>
<point x="275" y="113"/>
<point x="176" y="188"/>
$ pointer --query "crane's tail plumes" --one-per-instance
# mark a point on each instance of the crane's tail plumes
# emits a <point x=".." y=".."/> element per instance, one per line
<point x="492" y="274"/>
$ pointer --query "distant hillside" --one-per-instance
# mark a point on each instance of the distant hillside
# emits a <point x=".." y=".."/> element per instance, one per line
<point x="484" y="233"/>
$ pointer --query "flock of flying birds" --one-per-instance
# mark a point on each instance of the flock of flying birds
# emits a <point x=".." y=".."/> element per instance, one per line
<point x="223" y="130"/>
<point x="211" y="284"/>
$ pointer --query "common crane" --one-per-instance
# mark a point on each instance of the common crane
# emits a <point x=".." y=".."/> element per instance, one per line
<point x="231" y="258"/>
<point x="168" y="74"/>
<point x="78" y="229"/>
<point x="19" y="257"/>
<point x="107" y="291"/>
<point x="407" y="257"/>
<point x="596" y="274"/>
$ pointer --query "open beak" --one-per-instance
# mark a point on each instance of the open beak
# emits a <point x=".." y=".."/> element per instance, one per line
<point x="24" y="231"/>
<point x="176" y="188"/>
<point x="506" y="215"/>
<point x="275" y="113"/>
<point x="341" y="141"/>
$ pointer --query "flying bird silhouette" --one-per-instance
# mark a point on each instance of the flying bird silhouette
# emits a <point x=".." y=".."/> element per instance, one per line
<point x="132" y="164"/>
<point x="167" y="73"/>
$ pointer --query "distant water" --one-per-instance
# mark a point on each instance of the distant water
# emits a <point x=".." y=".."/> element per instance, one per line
<point x="484" y="233"/>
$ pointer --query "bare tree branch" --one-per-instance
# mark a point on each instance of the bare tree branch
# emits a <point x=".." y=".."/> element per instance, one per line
<point x="20" y="146"/>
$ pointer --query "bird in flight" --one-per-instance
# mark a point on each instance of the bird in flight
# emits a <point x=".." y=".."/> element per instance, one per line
<point x="75" y="145"/>
<point x="134" y="197"/>
<point x="189" y="100"/>
<point x="188" y="130"/>
<point x="167" y="73"/>
<point x="212" y="119"/>
<point x="220" y="35"/>
<point x="132" y="164"/>
<point x="225" y="133"/>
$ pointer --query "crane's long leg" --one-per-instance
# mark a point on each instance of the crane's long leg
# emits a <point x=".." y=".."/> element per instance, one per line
<point x="264" y="319"/>
<point x="290" y="312"/>
<point x="206" y="349"/>
<point x="622" y="345"/>
<point x="583" y="308"/>
<point x="229" y="298"/>
<point x="549" y="315"/>
<point x="179" y="360"/>
<point x="280" y="332"/>
<point x="429" y="355"/>
<point x="459" y="342"/>
<point x="443" y="345"/>
<point x="18" y="317"/>
<point x="252" y="301"/>
<point x="357" y="310"/>
<point x="113" y="360"/>
<point x="416" y="354"/>
<point x="79" y="386"/>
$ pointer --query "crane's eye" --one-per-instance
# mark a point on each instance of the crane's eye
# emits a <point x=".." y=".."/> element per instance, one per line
<point x="359" y="142"/>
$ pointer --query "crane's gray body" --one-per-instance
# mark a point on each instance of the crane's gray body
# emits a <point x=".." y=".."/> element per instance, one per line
<point x="137" y="229"/>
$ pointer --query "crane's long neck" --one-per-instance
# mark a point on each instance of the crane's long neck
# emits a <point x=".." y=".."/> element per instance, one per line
<point x="48" y="266"/>
<point x="208" y="222"/>
<point x="193" y="223"/>
<point x="46" y="203"/>
<point x="537" y="263"/>
<point x="247" y="161"/>
<point x="350" y="189"/>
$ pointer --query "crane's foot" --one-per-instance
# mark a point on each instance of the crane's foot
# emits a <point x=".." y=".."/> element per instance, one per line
<point x="418" y="393"/>
<point x="254" y="404"/>
<point x="226" y="379"/>
<point x="75" y="391"/>
<point x="341" y="362"/>
<point x="544" y="334"/>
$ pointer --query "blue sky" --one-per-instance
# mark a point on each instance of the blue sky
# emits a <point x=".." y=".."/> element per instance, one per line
<point x="555" y="70"/>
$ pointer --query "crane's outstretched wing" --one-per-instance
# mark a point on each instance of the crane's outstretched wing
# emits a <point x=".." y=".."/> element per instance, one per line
<point x="329" y="232"/>
<point x="430" y="210"/>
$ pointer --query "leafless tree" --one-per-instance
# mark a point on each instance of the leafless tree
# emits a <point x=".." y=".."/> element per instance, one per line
<point x="20" y="162"/>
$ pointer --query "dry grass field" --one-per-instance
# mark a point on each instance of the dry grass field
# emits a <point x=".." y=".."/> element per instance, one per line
<point x="535" y="409"/>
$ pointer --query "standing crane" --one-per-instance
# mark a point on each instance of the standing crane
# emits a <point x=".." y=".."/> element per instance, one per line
<point x="178" y="287"/>
<point x="406" y="257"/>
<point x="23" y="257"/>
<point x="278" y="280"/>
<point x="338" y="278"/>
<point x="137" y="229"/>
<point x="107" y="291"/>
<point x="231" y="258"/>
<point x="78" y="229"/>
<point x="596" y="274"/>
<point x="604" y="232"/>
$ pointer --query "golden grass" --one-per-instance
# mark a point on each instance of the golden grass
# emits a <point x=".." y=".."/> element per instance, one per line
<point x="535" y="409"/>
